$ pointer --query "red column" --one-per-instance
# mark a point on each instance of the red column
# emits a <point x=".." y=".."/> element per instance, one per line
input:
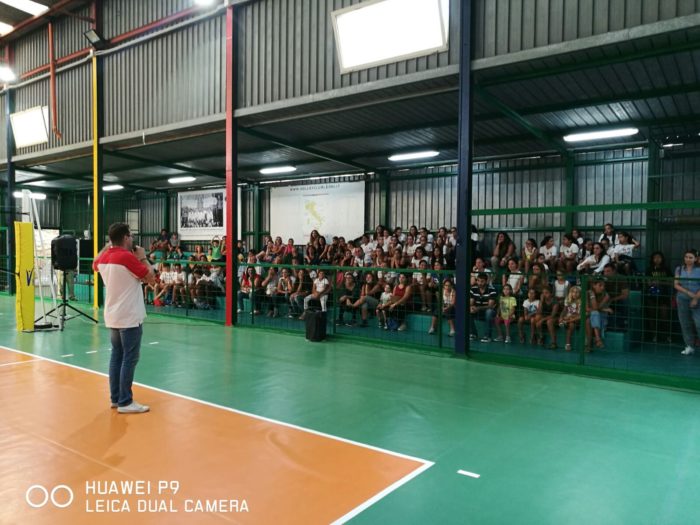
<point x="231" y="169"/>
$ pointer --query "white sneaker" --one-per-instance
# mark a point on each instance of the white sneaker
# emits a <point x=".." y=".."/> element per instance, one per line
<point x="499" y="339"/>
<point x="473" y="337"/>
<point x="485" y="339"/>
<point x="133" y="408"/>
<point x="689" y="350"/>
<point x="452" y="333"/>
<point x="507" y="339"/>
<point x="431" y="331"/>
<point x="403" y="327"/>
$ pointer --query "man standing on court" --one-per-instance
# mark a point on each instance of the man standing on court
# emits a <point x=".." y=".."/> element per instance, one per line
<point x="123" y="267"/>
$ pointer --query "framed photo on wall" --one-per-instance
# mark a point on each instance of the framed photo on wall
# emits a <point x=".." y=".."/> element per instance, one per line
<point x="201" y="214"/>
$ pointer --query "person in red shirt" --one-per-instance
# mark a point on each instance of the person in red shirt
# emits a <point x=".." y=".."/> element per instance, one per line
<point x="124" y="267"/>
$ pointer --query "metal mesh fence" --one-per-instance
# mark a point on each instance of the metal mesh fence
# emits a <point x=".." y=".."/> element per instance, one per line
<point x="408" y="307"/>
<point x="640" y="323"/>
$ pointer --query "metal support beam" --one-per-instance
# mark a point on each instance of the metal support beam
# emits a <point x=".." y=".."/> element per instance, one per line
<point x="570" y="175"/>
<point x="464" y="181"/>
<point x="10" y="188"/>
<point x="164" y="164"/>
<point x="592" y="63"/>
<point x="98" y="226"/>
<point x="305" y="149"/>
<point x="231" y="167"/>
<point x="257" y="221"/>
<point x="653" y="195"/>
<point x="385" y="194"/>
<point x="518" y="119"/>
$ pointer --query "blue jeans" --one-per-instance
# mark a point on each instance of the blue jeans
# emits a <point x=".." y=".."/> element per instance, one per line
<point x="599" y="320"/>
<point x="689" y="319"/>
<point x="126" y="347"/>
<point x="487" y="315"/>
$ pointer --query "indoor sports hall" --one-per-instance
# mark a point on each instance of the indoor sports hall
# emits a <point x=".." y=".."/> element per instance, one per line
<point x="367" y="261"/>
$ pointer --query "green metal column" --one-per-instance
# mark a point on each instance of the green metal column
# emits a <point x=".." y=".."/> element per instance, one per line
<point x="385" y="192"/>
<point x="10" y="188"/>
<point x="98" y="226"/>
<point x="653" y="195"/>
<point x="257" y="226"/>
<point x="570" y="182"/>
<point x="166" y="210"/>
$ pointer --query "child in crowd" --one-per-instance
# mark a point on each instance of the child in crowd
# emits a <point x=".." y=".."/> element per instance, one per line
<point x="166" y="285"/>
<point x="449" y="298"/>
<point x="598" y="309"/>
<point x="549" y="251"/>
<point x="546" y="314"/>
<point x="571" y="314"/>
<point x="384" y="301"/>
<point x="530" y="307"/>
<point x="513" y="277"/>
<point x="561" y="288"/>
<point x="529" y="255"/>
<point x="568" y="254"/>
<point x="179" y="286"/>
<point x="506" y="312"/>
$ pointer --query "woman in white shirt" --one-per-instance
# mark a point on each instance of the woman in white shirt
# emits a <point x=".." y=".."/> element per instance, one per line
<point x="549" y="250"/>
<point x="595" y="262"/>
<point x="568" y="253"/>
<point x="624" y="251"/>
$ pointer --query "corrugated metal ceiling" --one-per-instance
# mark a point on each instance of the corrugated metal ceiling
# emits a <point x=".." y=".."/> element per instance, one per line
<point x="652" y="83"/>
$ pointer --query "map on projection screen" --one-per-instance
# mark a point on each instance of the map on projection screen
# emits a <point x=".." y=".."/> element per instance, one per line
<point x="336" y="208"/>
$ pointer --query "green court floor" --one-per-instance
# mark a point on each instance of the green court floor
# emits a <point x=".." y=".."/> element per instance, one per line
<point x="549" y="447"/>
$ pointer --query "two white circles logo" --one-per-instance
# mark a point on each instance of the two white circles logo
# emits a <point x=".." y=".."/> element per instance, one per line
<point x="37" y="496"/>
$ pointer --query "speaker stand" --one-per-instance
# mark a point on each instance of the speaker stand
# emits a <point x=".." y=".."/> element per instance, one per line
<point x="61" y="308"/>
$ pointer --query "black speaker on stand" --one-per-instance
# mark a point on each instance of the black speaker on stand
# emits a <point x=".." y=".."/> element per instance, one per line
<point x="64" y="258"/>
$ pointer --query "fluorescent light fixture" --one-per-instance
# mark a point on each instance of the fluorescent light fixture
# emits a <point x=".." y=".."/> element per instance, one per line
<point x="6" y="74"/>
<point x="32" y="195"/>
<point x="31" y="127"/>
<point x="672" y="145"/>
<point x="33" y="8"/>
<point x="113" y="187"/>
<point x="415" y="155"/>
<point x="5" y="28"/>
<point x="598" y="135"/>
<point x="386" y="31"/>
<point x="278" y="169"/>
<point x="180" y="180"/>
<point x="204" y="3"/>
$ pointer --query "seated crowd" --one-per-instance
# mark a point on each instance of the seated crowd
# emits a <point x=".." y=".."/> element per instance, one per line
<point x="392" y="273"/>
<point x="186" y="279"/>
<point x="373" y="283"/>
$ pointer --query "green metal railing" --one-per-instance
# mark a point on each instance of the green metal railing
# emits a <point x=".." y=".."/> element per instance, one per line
<point x="641" y="333"/>
<point x="420" y="322"/>
<point x="4" y="262"/>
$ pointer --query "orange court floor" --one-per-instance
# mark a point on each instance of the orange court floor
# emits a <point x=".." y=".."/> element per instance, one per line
<point x="187" y="461"/>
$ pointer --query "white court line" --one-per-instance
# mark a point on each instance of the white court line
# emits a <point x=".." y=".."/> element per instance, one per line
<point x="154" y="343"/>
<point x="67" y="355"/>
<point x="425" y="463"/>
<point x="91" y="352"/>
<point x="20" y="362"/>
<point x="470" y="474"/>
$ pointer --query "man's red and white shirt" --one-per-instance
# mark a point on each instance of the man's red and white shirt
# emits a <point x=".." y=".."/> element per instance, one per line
<point x="122" y="273"/>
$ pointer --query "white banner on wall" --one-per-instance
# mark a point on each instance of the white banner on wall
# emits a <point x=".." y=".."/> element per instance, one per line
<point x="336" y="208"/>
